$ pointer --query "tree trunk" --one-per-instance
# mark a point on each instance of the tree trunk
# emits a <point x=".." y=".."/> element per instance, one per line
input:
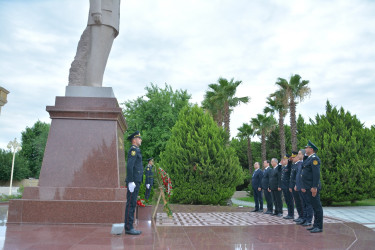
<point x="219" y="118"/>
<point x="226" y="117"/>
<point x="249" y="155"/>
<point x="263" y="146"/>
<point x="282" y="135"/>
<point x="293" y="124"/>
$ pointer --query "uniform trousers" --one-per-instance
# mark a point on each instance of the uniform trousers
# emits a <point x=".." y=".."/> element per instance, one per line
<point x="268" y="197"/>
<point x="318" y="209"/>
<point x="298" y="202"/>
<point x="289" y="201"/>
<point x="304" y="206"/>
<point x="131" y="203"/>
<point x="308" y="207"/>
<point x="148" y="191"/>
<point x="276" y="196"/>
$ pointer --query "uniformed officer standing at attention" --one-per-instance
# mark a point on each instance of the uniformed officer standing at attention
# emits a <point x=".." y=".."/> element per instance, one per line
<point x="275" y="187"/>
<point x="306" y="205"/>
<point x="311" y="185"/>
<point x="134" y="176"/>
<point x="285" y="178"/>
<point x="292" y="184"/>
<point x="265" y="185"/>
<point x="149" y="177"/>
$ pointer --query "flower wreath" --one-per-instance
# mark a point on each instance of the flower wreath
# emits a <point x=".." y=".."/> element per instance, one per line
<point x="166" y="185"/>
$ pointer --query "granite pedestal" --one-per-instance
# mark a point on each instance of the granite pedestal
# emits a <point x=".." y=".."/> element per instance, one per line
<point x="83" y="166"/>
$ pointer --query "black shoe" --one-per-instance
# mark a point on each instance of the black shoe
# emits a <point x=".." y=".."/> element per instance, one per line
<point x="260" y="210"/>
<point x="255" y="210"/>
<point x="288" y="217"/>
<point x="316" y="230"/>
<point x="279" y="215"/>
<point x="310" y="228"/>
<point x="298" y="220"/>
<point x="268" y="212"/>
<point x="301" y="222"/>
<point x="133" y="232"/>
<point x="306" y="224"/>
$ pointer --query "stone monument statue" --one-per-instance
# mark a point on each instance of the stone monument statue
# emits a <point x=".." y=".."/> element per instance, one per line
<point x="83" y="166"/>
<point x="95" y="44"/>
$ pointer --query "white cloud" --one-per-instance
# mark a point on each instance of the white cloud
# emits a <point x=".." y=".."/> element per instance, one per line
<point x="189" y="44"/>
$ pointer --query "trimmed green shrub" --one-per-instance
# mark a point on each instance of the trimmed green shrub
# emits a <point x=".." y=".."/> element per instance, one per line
<point x="203" y="167"/>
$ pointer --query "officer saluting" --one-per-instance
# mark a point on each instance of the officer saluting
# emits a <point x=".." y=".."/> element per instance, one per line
<point x="149" y="177"/>
<point x="134" y="176"/>
<point x="311" y="185"/>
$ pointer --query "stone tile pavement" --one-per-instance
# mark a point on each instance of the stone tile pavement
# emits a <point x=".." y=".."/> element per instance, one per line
<point x="225" y="219"/>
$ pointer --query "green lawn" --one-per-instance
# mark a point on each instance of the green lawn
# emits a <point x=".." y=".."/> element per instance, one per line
<point x="368" y="202"/>
<point x="251" y="199"/>
<point x="248" y="199"/>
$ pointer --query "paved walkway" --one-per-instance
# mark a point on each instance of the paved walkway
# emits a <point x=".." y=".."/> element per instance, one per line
<point x="5" y="190"/>
<point x="362" y="215"/>
<point x="201" y="227"/>
<point x="275" y="233"/>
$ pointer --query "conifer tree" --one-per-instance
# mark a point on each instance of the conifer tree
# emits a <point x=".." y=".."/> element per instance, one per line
<point x="203" y="169"/>
<point x="347" y="153"/>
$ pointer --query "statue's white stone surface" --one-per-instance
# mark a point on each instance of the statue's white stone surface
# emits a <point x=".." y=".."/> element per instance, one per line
<point x="95" y="44"/>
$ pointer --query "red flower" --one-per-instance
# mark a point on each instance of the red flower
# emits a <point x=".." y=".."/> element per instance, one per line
<point x="140" y="203"/>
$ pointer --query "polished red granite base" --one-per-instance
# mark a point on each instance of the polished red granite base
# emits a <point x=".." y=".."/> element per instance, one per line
<point x="144" y="213"/>
<point x="335" y="236"/>
<point x="36" y="211"/>
<point x="83" y="166"/>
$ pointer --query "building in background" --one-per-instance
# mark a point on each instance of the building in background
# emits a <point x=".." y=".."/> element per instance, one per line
<point x="3" y="97"/>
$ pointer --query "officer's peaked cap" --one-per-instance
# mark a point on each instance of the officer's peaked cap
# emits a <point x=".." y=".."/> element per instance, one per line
<point x="136" y="134"/>
<point x="311" y="145"/>
<point x="286" y="156"/>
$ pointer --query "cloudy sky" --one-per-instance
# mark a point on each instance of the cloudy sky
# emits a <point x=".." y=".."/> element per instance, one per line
<point x="190" y="44"/>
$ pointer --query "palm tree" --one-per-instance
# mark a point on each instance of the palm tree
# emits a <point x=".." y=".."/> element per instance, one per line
<point x="278" y="102"/>
<point x="264" y="125"/>
<point x="214" y="107"/>
<point x="221" y="96"/>
<point x="295" y="90"/>
<point x="247" y="131"/>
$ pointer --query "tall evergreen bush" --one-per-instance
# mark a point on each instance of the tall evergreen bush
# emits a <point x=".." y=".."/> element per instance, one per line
<point x="347" y="152"/>
<point x="203" y="167"/>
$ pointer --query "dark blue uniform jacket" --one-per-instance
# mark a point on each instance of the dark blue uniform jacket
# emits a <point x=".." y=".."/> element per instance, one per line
<point x="149" y="175"/>
<point x="311" y="172"/>
<point x="134" y="168"/>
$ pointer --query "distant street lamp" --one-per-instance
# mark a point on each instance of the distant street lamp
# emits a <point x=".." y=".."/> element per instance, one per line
<point x="3" y="97"/>
<point x="14" y="146"/>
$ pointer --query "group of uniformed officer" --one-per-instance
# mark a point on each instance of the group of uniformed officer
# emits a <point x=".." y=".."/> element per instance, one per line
<point x="297" y="177"/>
